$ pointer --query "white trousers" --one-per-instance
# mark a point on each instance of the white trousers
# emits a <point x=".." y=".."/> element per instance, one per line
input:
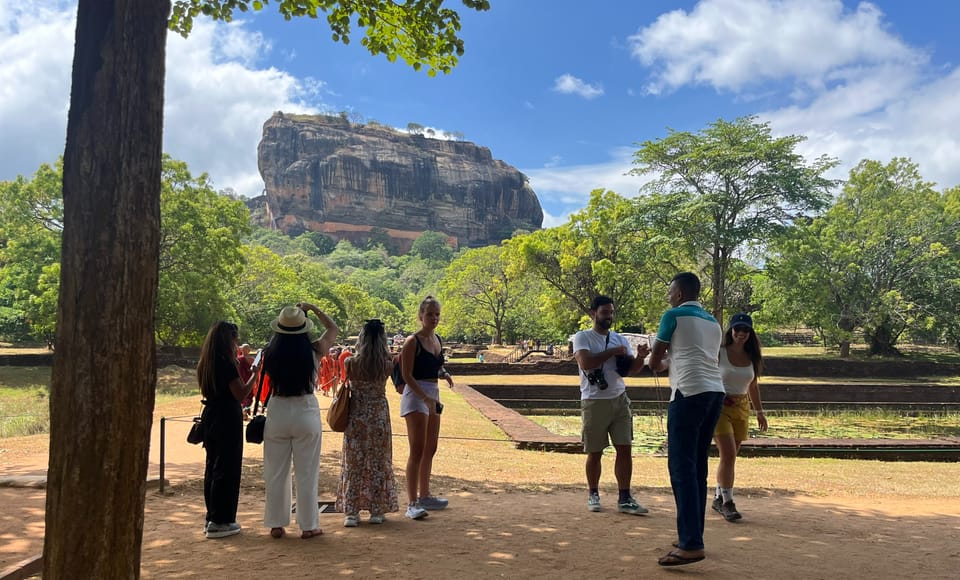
<point x="292" y="431"/>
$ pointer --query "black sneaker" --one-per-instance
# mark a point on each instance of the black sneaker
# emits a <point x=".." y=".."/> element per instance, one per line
<point x="729" y="511"/>
<point x="717" y="504"/>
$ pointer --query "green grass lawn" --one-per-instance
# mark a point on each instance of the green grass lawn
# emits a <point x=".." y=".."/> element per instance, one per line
<point x="650" y="430"/>
<point x="25" y="396"/>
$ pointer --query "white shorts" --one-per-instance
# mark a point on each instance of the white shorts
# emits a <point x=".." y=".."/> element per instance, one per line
<point x="410" y="402"/>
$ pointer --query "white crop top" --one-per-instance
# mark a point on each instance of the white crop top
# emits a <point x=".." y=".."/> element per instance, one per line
<point x="736" y="379"/>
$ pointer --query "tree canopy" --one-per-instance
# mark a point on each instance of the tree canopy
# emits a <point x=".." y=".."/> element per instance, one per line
<point x="734" y="183"/>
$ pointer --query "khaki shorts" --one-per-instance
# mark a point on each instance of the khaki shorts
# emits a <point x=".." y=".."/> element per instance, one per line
<point x="734" y="417"/>
<point x="603" y="417"/>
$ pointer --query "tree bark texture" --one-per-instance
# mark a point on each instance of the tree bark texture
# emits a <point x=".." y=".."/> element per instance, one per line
<point x="104" y="371"/>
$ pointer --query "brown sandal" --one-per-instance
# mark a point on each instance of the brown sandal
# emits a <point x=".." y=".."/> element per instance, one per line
<point x="276" y="533"/>
<point x="307" y="534"/>
<point x="675" y="558"/>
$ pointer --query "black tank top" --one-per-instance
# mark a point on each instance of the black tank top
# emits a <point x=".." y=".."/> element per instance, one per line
<point x="426" y="365"/>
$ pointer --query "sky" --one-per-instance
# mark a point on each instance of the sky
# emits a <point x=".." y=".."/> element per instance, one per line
<point x="563" y="90"/>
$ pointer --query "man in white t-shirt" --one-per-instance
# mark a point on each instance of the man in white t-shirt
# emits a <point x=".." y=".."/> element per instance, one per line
<point x="604" y="403"/>
<point x="692" y="337"/>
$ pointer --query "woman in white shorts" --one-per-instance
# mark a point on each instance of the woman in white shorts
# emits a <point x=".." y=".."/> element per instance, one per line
<point x="421" y="361"/>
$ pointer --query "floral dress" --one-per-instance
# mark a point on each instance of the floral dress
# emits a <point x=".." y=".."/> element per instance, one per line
<point x="367" y="481"/>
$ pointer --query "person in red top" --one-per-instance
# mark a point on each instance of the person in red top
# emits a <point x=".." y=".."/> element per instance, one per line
<point x="341" y="368"/>
<point x="245" y="366"/>
<point x="328" y="372"/>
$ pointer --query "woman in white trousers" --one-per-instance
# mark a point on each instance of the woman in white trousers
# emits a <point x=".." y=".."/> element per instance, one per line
<point x="293" y="428"/>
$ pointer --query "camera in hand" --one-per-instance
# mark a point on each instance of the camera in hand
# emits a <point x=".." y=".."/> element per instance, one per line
<point x="596" y="378"/>
<point x="624" y="364"/>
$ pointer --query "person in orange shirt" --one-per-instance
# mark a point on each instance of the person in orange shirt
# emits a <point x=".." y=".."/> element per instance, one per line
<point x="341" y="368"/>
<point x="328" y="372"/>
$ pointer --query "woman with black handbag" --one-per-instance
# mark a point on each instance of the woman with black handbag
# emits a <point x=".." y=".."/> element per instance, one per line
<point x="292" y="431"/>
<point x="222" y="420"/>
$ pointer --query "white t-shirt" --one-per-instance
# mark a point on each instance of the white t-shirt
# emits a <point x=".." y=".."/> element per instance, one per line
<point x="595" y="343"/>
<point x="736" y="379"/>
<point x="694" y="339"/>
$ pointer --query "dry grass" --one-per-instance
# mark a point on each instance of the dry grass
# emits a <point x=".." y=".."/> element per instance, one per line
<point x="497" y="464"/>
<point x="476" y="455"/>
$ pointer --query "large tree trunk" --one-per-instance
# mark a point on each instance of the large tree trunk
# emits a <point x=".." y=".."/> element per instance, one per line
<point x="882" y="341"/>
<point x="104" y="372"/>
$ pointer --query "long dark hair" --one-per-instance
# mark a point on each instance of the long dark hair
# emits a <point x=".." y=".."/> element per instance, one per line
<point x="751" y="347"/>
<point x="370" y="361"/>
<point x="290" y="362"/>
<point x="218" y="345"/>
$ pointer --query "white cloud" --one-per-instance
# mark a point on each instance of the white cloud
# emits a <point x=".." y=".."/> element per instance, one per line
<point x="855" y="89"/>
<point x="215" y="106"/>
<point x="215" y="102"/>
<point x="569" y="84"/>
<point x="36" y="53"/>
<point x="732" y="44"/>
<point x="918" y="122"/>
<point x="568" y="187"/>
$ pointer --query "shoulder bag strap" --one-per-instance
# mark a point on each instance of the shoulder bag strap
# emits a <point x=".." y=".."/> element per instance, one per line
<point x="256" y="404"/>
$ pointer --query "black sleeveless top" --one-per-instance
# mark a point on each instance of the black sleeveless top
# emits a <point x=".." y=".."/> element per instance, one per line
<point x="426" y="366"/>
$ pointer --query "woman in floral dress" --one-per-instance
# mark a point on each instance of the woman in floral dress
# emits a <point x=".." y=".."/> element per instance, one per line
<point x="367" y="481"/>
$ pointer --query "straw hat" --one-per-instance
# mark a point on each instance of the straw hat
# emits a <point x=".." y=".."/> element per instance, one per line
<point x="291" y="320"/>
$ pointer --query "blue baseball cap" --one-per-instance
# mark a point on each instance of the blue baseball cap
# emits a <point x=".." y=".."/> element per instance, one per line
<point x="741" y="319"/>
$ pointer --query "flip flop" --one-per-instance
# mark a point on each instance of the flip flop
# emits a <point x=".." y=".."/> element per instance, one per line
<point x="674" y="558"/>
<point x="307" y="534"/>
<point x="277" y="532"/>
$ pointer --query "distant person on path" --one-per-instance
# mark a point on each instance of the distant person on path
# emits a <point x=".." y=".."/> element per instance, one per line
<point x="692" y="336"/>
<point x="328" y="372"/>
<point x="245" y="366"/>
<point x="366" y="463"/>
<point x="740" y="364"/>
<point x="604" y="404"/>
<point x="422" y="365"/>
<point x="218" y="374"/>
<point x="342" y="357"/>
<point x="292" y="432"/>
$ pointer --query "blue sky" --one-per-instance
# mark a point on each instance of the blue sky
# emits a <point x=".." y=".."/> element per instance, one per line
<point x="562" y="90"/>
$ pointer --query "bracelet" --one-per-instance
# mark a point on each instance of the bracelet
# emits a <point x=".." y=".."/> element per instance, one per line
<point x="760" y="412"/>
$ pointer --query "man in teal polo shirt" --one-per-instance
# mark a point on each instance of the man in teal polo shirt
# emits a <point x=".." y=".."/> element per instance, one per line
<point x="692" y="336"/>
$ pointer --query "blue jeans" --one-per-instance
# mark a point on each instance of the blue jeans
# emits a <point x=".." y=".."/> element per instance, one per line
<point x="690" y="425"/>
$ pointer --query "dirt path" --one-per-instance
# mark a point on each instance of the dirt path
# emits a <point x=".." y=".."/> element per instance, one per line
<point x="499" y="529"/>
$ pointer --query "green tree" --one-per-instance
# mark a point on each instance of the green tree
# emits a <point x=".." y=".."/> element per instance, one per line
<point x="200" y="254"/>
<point x="101" y="413"/>
<point x="478" y="291"/>
<point x="740" y="184"/>
<point x="944" y="294"/>
<point x="869" y="262"/>
<point x="603" y="249"/>
<point x="31" y="221"/>
<point x="433" y="247"/>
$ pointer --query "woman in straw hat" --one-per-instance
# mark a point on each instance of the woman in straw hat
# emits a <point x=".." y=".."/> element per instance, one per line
<point x="292" y="431"/>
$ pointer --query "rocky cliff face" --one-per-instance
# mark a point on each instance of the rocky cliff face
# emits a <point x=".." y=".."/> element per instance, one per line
<point x="328" y="175"/>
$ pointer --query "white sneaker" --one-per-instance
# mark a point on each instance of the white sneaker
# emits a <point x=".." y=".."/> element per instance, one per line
<point x="593" y="502"/>
<point x="377" y="518"/>
<point x="351" y="521"/>
<point x="415" y="512"/>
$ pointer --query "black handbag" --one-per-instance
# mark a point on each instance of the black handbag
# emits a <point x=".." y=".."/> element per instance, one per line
<point x="256" y="425"/>
<point x="195" y="434"/>
<point x="255" y="429"/>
